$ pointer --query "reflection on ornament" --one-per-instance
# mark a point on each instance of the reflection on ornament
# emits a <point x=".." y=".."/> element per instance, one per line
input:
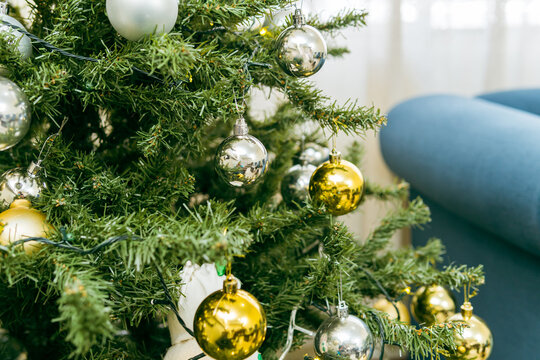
<point x="387" y="307"/>
<point x="230" y="324"/>
<point x="20" y="222"/>
<point x="135" y="19"/>
<point x="338" y="184"/>
<point x="20" y="182"/>
<point x="10" y="348"/>
<point x="432" y="305"/>
<point x="344" y="336"/>
<point x="24" y="44"/>
<point x="241" y="159"/>
<point x="301" y="49"/>
<point x="295" y="184"/>
<point x="476" y="340"/>
<point x="314" y="154"/>
<point x="14" y="114"/>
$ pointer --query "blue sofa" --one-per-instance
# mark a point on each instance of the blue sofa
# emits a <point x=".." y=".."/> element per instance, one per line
<point x="476" y="164"/>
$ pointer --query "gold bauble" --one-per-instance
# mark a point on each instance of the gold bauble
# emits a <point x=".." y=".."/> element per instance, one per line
<point x="338" y="184"/>
<point x="230" y="324"/>
<point x="432" y="305"/>
<point x="19" y="222"/>
<point x="387" y="307"/>
<point x="476" y="340"/>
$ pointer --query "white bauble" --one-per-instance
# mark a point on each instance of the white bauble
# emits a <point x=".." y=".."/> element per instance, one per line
<point x="135" y="19"/>
<point x="24" y="42"/>
<point x="197" y="283"/>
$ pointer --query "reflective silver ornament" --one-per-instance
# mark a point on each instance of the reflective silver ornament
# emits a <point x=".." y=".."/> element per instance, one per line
<point x="314" y="154"/>
<point x="15" y="37"/>
<point x="20" y="182"/>
<point x="344" y="337"/>
<point x="14" y="114"/>
<point x="241" y="159"/>
<point x="301" y="49"/>
<point x="295" y="184"/>
<point x="135" y="19"/>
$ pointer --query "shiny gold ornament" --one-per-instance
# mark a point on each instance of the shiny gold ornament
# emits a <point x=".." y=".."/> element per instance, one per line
<point x="19" y="222"/>
<point x="387" y="307"/>
<point x="433" y="304"/>
<point x="230" y="324"/>
<point x="476" y="341"/>
<point x="338" y="184"/>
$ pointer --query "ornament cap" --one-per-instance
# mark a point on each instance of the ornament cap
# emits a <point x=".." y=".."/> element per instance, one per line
<point x="241" y="127"/>
<point x="298" y="18"/>
<point x="34" y="169"/>
<point x="342" y="310"/>
<point x="467" y="310"/>
<point x="230" y="285"/>
<point x="20" y="203"/>
<point x="335" y="156"/>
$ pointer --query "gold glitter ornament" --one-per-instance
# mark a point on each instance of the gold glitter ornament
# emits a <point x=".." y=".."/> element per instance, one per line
<point x="476" y="340"/>
<point x="338" y="184"/>
<point x="20" y="222"/>
<point x="432" y="305"/>
<point x="230" y="324"/>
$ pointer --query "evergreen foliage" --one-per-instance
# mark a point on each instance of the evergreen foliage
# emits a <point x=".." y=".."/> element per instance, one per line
<point x="135" y="160"/>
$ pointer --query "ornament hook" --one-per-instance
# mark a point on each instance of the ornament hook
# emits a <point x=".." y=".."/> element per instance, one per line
<point x="35" y="167"/>
<point x="290" y="334"/>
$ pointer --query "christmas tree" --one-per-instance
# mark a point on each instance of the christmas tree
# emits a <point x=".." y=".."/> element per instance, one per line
<point x="131" y="105"/>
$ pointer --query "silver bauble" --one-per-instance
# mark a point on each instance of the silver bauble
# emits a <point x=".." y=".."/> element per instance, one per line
<point x="14" y="114"/>
<point x="314" y="154"/>
<point x="241" y="159"/>
<point x="344" y="337"/>
<point x="301" y="49"/>
<point x="295" y="184"/>
<point x="20" y="182"/>
<point x="15" y="37"/>
<point x="135" y="19"/>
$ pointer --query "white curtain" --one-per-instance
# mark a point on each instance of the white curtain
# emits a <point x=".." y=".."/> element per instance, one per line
<point x="417" y="47"/>
<point x="414" y="47"/>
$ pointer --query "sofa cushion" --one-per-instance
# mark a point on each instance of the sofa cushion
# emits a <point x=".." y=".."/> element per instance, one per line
<point x="477" y="159"/>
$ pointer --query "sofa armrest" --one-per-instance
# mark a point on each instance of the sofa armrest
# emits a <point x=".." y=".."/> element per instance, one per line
<point x="525" y="99"/>
<point x="477" y="159"/>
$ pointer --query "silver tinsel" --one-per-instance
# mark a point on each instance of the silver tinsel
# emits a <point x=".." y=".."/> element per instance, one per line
<point x="135" y="19"/>
<point x="301" y="49"/>
<point x="14" y="114"/>
<point x="295" y="184"/>
<point x="241" y="159"/>
<point x="344" y="336"/>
